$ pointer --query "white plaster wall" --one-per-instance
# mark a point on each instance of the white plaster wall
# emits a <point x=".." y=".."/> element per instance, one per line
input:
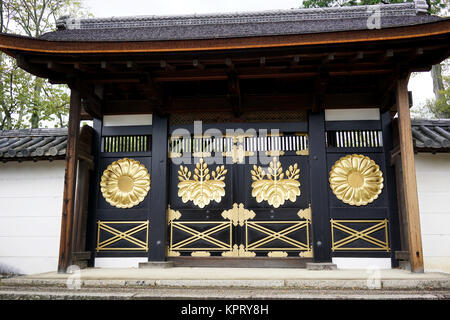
<point x="433" y="187"/>
<point x="30" y="215"/>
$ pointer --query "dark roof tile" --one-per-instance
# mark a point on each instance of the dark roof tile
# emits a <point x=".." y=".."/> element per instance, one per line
<point x="232" y="25"/>
<point x="431" y="135"/>
<point x="33" y="143"/>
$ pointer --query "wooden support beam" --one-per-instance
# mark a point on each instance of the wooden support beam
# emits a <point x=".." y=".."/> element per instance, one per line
<point x="319" y="183"/>
<point x="235" y="94"/>
<point x="153" y="91"/>
<point x="229" y="62"/>
<point x="70" y="180"/>
<point x="387" y="90"/>
<point x="249" y="101"/>
<point x="94" y="104"/>
<point x="83" y="67"/>
<point x="57" y="67"/>
<point x="197" y="64"/>
<point x="387" y="55"/>
<point x="166" y="66"/>
<point x="40" y="71"/>
<point x="86" y="164"/>
<point x="329" y="58"/>
<point x="131" y="65"/>
<point x="109" y="66"/>
<point x="295" y="60"/>
<point x="321" y="84"/>
<point x="409" y="177"/>
<point x="159" y="198"/>
<point x="358" y="57"/>
<point x="262" y="61"/>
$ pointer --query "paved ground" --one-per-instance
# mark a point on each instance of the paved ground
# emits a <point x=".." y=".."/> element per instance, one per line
<point x="222" y="283"/>
<point x="55" y="293"/>
<point x="190" y="273"/>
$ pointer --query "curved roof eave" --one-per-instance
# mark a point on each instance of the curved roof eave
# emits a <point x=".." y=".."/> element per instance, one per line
<point x="10" y="42"/>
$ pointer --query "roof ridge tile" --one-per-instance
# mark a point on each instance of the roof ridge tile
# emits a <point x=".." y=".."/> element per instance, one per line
<point x="285" y="15"/>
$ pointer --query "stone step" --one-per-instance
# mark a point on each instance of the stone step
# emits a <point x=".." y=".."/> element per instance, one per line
<point x="46" y="293"/>
<point x="304" y="284"/>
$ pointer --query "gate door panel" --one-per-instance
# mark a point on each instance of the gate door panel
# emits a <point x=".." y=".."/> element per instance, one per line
<point x="123" y="190"/>
<point x="240" y="195"/>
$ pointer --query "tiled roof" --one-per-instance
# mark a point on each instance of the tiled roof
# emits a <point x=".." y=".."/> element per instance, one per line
<point x="431" y="135"/>
<point x="33" y="144"/>
<point x="230" y="25"/>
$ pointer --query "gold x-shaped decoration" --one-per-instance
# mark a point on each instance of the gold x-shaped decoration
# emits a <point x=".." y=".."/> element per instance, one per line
<point x="363" y="235"/>
<point x="197" y="235"/>
<point x="118" y="235"/>
<point x="280" y="235"/>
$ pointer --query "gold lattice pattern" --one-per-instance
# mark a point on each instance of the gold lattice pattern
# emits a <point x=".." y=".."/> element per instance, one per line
<point x="114" y="235"/>
<point x="282" y="235"/>
<point x="238" y="216"/>
<point x="366" y="234"/>
<point x="207" y="236"/>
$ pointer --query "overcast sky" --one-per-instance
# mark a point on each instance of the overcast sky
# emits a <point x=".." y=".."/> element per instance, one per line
<point x="421" y="85"/>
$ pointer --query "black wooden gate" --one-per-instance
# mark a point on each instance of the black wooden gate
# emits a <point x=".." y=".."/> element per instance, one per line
<point x="239" y="192"/>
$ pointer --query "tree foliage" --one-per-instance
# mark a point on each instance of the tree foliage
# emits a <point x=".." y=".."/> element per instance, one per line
<point x="440" y="105"/>
<point x="434" y="6"/>
<point x="26" y="100"/>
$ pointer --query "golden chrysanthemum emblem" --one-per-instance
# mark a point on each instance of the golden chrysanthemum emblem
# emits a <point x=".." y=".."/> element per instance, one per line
<point x="356" y="180"/>
<point x="205" y="187"/>
<point x="125" y="183"/>
<point x="275" y="186"/>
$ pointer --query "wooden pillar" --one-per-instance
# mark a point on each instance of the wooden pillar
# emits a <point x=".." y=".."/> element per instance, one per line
<point x="159" y="190"/>
<point x="65" y="245"/>
<point x="320" y="214"/>
<point x="409" y="177"/>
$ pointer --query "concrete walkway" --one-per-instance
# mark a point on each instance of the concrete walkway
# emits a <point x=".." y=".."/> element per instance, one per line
<point x="273" y="278"/>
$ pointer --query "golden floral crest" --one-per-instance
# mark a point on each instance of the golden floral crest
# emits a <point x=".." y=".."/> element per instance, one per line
<point x="204" y="187"/>
<point x="125" y="183"/>
<point x="356" y="180"/>
<point x="276" y="187"/>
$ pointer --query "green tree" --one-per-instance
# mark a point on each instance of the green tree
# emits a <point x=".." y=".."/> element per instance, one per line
<point x="440" y="105"/>
<point x="26" y="100"/>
